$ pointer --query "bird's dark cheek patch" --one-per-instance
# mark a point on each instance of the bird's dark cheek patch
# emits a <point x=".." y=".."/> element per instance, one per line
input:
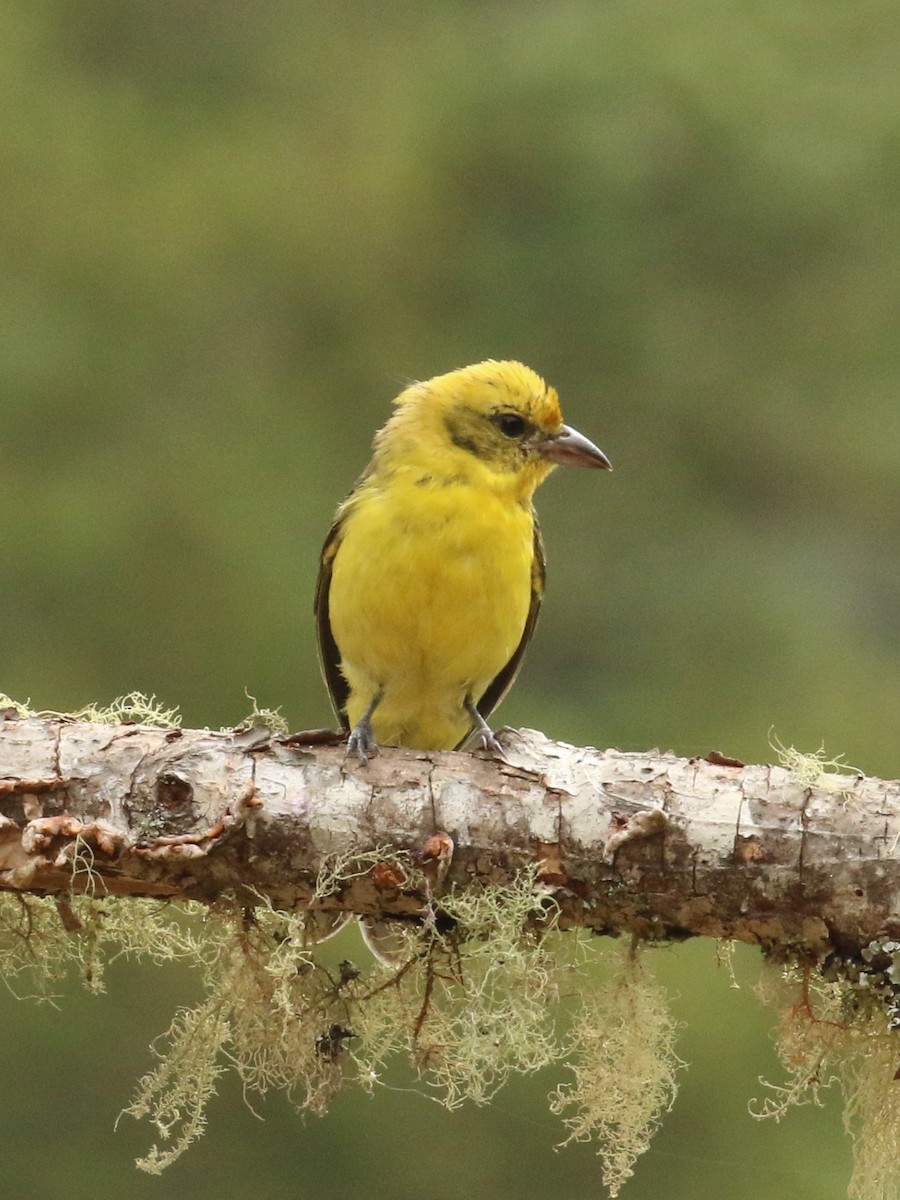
<point x="462" y="436"/>
<point x="466" y="443"/>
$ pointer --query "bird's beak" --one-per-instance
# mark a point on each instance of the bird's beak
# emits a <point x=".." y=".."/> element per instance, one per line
<point x="573" y="449"/>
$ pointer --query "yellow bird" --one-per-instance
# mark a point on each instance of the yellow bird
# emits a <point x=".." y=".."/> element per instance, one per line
<point x="432" y="574"/>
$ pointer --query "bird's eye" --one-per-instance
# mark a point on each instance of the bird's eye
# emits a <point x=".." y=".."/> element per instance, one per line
<point x="510" y="424"/>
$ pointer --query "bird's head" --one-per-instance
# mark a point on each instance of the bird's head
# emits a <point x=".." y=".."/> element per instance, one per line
<point x="498" y="420"/>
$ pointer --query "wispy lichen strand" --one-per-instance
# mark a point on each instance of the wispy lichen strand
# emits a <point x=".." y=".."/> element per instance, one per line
<point x="625" y="1068"/>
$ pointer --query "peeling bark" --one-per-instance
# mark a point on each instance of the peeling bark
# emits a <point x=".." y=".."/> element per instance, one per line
<point x="647" y="844"/>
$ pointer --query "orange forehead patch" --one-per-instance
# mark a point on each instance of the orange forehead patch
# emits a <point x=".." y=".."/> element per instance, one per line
<point x="547" y="413"/>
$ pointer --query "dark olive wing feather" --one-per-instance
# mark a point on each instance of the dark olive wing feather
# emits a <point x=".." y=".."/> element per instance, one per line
<point x="329" y="655"/>
<point x="501" y="684"/>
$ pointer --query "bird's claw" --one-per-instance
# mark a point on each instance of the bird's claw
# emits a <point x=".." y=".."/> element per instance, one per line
<point x="486" y="735"/>
<point x="361" y="742"/>
<point x="490" y="742"/>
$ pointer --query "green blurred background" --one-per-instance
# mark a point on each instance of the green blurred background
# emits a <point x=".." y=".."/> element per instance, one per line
<point x="232" y="232"/>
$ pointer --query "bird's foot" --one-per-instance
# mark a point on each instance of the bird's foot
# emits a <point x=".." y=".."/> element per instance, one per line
<point x="362" y="741"/>
<point x="486" y="735"/>
<point x="490" y="741"/>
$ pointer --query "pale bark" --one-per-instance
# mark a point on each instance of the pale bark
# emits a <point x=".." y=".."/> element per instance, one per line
<point x="648" y="844"/>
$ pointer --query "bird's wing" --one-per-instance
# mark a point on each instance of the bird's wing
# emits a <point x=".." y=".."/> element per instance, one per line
<point x="329" y="655"/>
<point x="501" y="684"/>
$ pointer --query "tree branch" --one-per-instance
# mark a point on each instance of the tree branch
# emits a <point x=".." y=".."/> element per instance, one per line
<point x="647" y="844"/>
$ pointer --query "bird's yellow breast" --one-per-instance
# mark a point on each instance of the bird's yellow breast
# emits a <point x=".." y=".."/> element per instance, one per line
<point x="430" y="593"/>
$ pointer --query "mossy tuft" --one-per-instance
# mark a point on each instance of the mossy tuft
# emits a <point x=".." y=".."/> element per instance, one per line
<point x="625" y="1067"/>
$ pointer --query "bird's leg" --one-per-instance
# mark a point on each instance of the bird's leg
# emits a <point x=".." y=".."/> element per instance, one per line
<point x="362" y="738"/>
<point x="484" y="731"/>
